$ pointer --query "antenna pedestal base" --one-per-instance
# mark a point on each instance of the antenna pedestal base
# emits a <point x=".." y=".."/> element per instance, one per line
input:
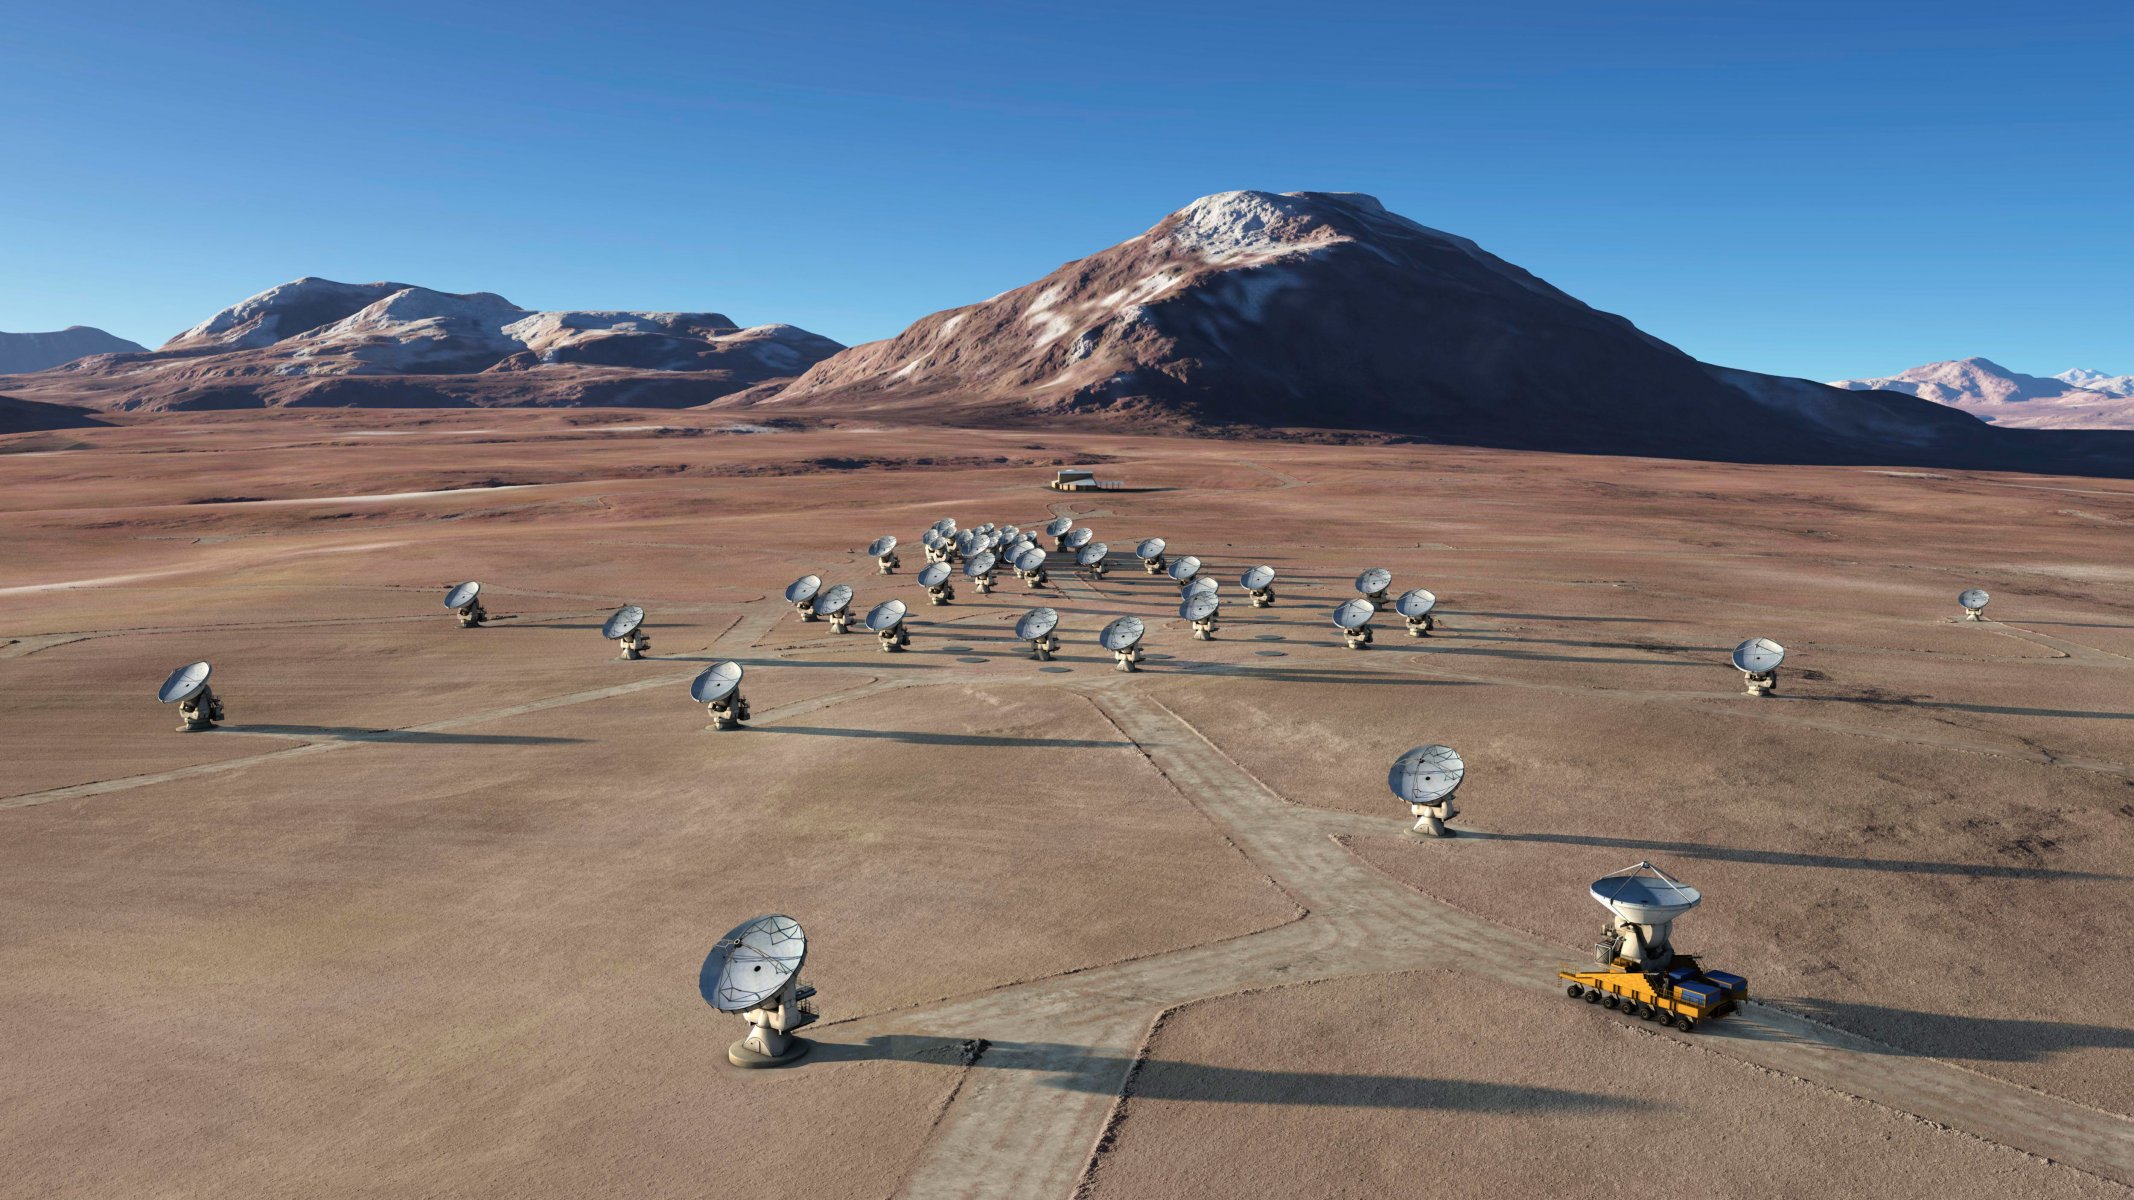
<point x="1974" y="614"/>
<point x="1264" y="598"/>
<point x="984" y="583"/>
<point x="806" y="609"/>
<point x="1096" y="570"/>
<point x="1034" y="579"/>
<point x="893" y="640"/>
<point x="634" y="646"/>
<point x="472" y="616"/>
<point x="1154" y="566"/>
<point x="1759" y="685"/>
<point x="841" y="621"/>
<point x="1421" y="626"/>
<point x="1204" y="630"/>
<point x="1126" y="659"/>
<point x="745" y="1054"/>
<point x="199" y="714"/>
<point x="941" y="595"/>
<point x="728" y="713"/>
<point x="1378" y="600"/>
<point x="1430" y="818"/>
<point x="1356" y="639"/>
<point x="1041" y="648"/>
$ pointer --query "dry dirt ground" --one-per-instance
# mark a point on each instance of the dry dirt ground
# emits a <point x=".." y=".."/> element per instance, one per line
<point x="426" y="917"/>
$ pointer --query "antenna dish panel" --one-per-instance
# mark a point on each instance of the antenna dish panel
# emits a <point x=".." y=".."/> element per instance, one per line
<point x="1036" y="623"/>
<point x="1091" y="555"/>
<point x="1078" y="538"/>
<point x="1427" y="774"/>
<point x="184" y="683"/>
<point x="979" y="563"/>
<point x="715" y="682"/>
<point x="1354" y="614"/>
<point x="945" y="526"/>
<point x="1184" y="568"/>
<point x="1415" y="602"/>
<point x="623" y="623"/>
<point x="1377" y="579"/>
<point x="1199" y="605"/>
<point x="933" y="575"/>
<point x="750" y="964"/>
<point x="1058" y="525"/>
<point x="803" y="588"/>
<point x="1149" y="549"/>
<point x="985" y="528"/>
<point x="1030" y="560"/>
<point x="1201" y="583"/>
<point x="1009" y="532"/>
<point x="1645" y="895"/>
<point x="1121" y="634"/>
<point x="463" y="595"/>
<point x="1759" y="655"/>
<point x="886" y="615"/>
<point x="1257" y="578"/>
<point x="833" y="599"/>
<point x="881" y="545"/>
<point x="1973" y="598"/>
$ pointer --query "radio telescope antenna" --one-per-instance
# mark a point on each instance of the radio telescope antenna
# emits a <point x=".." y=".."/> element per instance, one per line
<point x="1200" y="606"/>
<point x="934" y="577"/>
<point x="1036" y="627"/>
<point x="1260" y="582"/>
<point x="887" y="621"/>
<point x="1644" y="900"/>
<point x="1182" y="570"/>
<point x="946" y="527"/>
<point x="1353" y="618"/>
<point x="1974" y="601"/>
<point x="1123" y="638"/>
<point x="1030" y="567"/>
<point x="1078" y="538"/>
<point x="626" y="627"/>
<point x="198" y="705"/>
<point x="1056" y="529"/>
<point x="718" y="688"/>
<point x="1415" y="604"/>
<point x="883" y="550"/>
<point x="1425" y="778"/>
<point x="1373" y="584"/>
<point x="1757" y="659"/>
<point x="1091" y="558"/>
<point x="979" y="567"/>
<point x="755" y="971"/>
<point x="465" y="598"/>
<point x="801" y="595"/>
<point x="1150" y="552"/>
<point x="835" y="602"/>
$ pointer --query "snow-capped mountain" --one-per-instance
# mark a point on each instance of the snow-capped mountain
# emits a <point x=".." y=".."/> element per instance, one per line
<point x="1995" y="394"/>
<point x="2098" y="381"/>
<point x="317" y="341"/>
<point x="21" y="353"/>
<point x="1323" y="309"/>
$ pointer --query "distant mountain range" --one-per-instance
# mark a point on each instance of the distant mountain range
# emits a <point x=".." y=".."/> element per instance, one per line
<point x="2073" y="399"/>
<point x="319" y="342"/>
<point x="21" y="353"/>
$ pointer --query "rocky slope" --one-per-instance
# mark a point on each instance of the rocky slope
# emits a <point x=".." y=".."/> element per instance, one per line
<point x="1324" y="310"/>
<point x="1993" y="393"/>
<point x="319" y="342"/>
<point x="21" y="353"/>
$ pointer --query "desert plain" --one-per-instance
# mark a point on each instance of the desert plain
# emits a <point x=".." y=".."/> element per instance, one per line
<point x="426" y="917"/>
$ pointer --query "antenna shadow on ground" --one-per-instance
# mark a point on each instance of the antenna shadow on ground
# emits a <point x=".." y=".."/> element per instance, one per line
<point x="925" y="738"/>
<point x="2003" y="710"/>
<point x="403" y="737"/>
<point x="1789" y="858"/>
<point x="1996" y="1039"/>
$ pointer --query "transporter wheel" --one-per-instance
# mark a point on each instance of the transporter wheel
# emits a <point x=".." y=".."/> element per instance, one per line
<point x="1574" y="991"/>
<point x="1687" y="1024"/>
<point x="1667" y="1018"/>
<point x="1593" y="996"/>
<point x="1610" y="1001"/>
<point x="1646" y="1012"/>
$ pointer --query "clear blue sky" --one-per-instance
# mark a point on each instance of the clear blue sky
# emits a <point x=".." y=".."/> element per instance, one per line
<point x="1803" y="187"/>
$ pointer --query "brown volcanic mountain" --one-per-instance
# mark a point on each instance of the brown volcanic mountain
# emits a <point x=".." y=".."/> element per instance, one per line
<point x="318" y="342"/>
<point x="1323" y="310"/>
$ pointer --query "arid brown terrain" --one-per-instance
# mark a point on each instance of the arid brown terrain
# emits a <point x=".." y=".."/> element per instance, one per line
<point x="425" y="918"/>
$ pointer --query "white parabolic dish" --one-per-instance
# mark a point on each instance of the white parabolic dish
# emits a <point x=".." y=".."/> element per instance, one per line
<point x="1415" y="602"/>
<point x="881" y="545"/>
<point x="1353" y="614"/>
<point x="1182" y="569"/>
<point x="1030" y="560"/>
<point x="803" y="588"/>
<point x="886" y="615"/>
<point x="1036" y="623"/>
<point x="1092" y="554"/>
<point x="1149" y="549"/>
<point x="1080" y="537"/>
<point x="1121" y="633"/>
<point x="1645" y="895"/>
<point x="1199" y="605"/>
<point x="979" y="563"/>
<point x="184" y="683"/>
<point x="945" y="526"/>
<point x="933" y="575"/>
<point x="1377" y="579"/>
<point x="1201" y="583"/>
<point x="1973" y="598"/>
<point x="1427" y="774"/>
<point x="623" y="623"/>
<point x="463" y="595"/>
<point x="1058" y="525"/>
<point x="833" y="599"/>
<point x="1758" y="655"/>
<point x="752" y="962"/>
<point x="715" y="682"/>
<point x="1257" y="578"/>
